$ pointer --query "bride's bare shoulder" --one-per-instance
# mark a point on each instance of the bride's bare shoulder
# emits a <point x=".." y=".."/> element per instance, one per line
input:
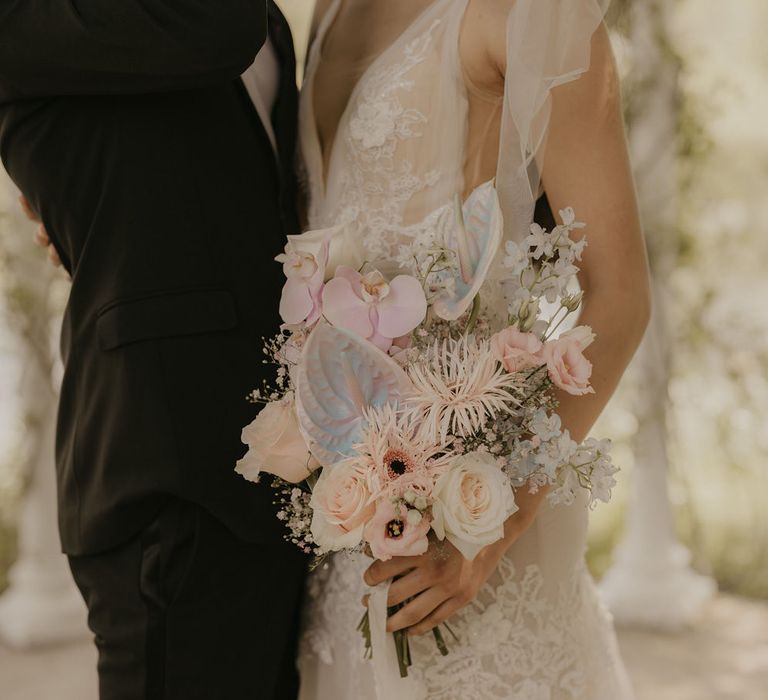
<point x="484" y="49"/>
<point x="483" y="43"/>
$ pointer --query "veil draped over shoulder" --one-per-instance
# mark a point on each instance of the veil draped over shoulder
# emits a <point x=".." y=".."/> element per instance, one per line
<point x="548" y="44"/>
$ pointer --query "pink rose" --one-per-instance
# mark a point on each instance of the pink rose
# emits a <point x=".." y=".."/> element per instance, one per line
<point x="373" y="308"/>
<point x="342" y="505"/>
<point x="276" y="445"/>
<point x="397" y="531"/>
<point x="517" y="351"/>
<point x="568" y="368"/>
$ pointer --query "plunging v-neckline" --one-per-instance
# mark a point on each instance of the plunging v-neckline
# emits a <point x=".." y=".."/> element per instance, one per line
<point x="316" y="53"/>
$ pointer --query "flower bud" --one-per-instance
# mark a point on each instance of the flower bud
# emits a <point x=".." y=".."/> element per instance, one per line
<point x="414" y="517"/>
<point x="420" y="502"/>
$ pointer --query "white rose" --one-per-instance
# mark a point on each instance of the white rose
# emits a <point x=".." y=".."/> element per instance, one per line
<point x="341" y="506"/>
<point x="276" y="445"/>
<point x="472" y="500"/>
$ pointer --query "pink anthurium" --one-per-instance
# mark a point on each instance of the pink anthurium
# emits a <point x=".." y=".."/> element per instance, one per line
<point x="302" y="293"/>
<point x="373" y="308"/>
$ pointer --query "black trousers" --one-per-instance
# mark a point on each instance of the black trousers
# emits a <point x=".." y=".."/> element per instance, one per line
<point x="186" y="611"/>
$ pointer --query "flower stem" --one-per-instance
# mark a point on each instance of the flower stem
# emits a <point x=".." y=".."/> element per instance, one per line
<point x="474" y="314"/>
<point x="440" y="641"/>
<point x="403" y="647"/>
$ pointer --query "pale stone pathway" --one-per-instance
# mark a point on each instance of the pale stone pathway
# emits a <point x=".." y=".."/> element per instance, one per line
<point x="725" y="657"/>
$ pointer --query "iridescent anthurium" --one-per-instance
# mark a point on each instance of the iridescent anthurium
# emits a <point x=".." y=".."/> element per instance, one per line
<point x="341" y="377"/>
<point x="476" y="237"/>
<point x="373" y="308"/>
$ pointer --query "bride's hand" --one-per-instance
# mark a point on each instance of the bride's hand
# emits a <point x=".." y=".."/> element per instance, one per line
<point x="442" y="581"/>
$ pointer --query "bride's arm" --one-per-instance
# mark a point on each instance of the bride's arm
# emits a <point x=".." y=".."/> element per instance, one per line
<point x="587" y="167"/>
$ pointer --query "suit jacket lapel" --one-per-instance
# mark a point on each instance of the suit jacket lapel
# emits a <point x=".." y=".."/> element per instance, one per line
<point x="285" y="112"/>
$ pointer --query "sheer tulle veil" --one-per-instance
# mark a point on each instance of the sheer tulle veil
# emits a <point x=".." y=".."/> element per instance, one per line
<point x="549" y="44"/>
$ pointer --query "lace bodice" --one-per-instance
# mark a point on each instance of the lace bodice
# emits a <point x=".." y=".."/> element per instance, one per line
<point x="390" y="167"/>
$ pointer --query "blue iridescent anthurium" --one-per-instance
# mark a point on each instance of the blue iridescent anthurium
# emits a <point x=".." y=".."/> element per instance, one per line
<point x="340" y="377"/>
<point x="475" y="236"/>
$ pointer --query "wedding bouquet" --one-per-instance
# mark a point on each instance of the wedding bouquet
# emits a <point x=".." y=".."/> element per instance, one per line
<point x="408" y="408"/>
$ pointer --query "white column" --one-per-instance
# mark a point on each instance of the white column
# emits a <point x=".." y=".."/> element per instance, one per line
<point x="651" y="582"/>
<point x="41" y="605"/>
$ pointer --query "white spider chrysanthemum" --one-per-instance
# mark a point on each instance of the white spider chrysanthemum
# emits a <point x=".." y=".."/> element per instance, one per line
<point x="458" y="386"/>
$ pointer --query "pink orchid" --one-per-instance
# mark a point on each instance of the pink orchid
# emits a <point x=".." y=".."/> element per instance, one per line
<point x="373" y="308"/>
<point x="302" y="293"/>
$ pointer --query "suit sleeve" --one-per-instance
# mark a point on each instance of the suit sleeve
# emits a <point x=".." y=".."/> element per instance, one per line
<point x="65" y="47"/>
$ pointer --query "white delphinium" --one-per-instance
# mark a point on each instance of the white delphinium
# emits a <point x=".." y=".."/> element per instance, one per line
<point x="590" y="467"/>
<point x="545" y="426"/>
<point x="542" y="266"/>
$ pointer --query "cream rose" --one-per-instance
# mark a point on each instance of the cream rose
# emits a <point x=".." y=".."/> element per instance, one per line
<point x="341" y="505"/>
<point x="276" y="445"/>
<point x="568" y="369"/>
<point x="516" y="350"/>
<point x="473" y="499"/>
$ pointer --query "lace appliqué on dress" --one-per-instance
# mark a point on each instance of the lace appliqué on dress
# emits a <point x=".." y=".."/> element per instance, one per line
<point x="376" y="181"/>
<point x="516" y="641"/>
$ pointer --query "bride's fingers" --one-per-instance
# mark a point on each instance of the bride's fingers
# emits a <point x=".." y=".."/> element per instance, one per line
<point x="437" y="617"/>
<point x="26" y="207"/>
<point x="381" y="571"/>
<point x="408" y="586"/>
<point x="41" y="237"/>
<point x="418" y="609"/>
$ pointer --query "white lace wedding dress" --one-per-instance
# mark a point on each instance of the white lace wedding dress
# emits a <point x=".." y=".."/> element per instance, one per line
<point x="537" y="631"/>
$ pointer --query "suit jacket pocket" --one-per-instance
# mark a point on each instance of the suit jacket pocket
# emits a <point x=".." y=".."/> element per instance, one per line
<point x="166" y="314"/>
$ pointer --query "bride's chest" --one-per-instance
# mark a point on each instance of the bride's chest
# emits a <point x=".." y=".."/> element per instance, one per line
<point x="363" y="36"/>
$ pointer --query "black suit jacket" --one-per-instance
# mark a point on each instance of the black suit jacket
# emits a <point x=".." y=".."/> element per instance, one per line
<point x="126" y="126"/>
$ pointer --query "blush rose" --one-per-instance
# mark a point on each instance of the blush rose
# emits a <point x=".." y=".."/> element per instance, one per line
<point x="517" y="351"/>
<point x="342" y="505"/>
<point x="275" y="445"/>
<point x="568" y="368"/>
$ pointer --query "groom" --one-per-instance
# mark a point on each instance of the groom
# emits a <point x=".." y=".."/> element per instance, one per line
<point x="127" y="127"/>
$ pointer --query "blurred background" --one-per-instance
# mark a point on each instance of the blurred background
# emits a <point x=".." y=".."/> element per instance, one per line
<point x="682" y="550"/>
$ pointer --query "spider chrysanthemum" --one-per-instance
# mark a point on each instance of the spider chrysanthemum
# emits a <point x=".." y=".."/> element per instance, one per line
<point x="458" y="385"/>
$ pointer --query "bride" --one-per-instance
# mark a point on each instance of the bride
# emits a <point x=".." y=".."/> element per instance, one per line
<point x="406" y="103"/>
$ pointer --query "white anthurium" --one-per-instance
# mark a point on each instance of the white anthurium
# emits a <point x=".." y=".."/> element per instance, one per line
<point x="476" y="238"/>
<point x="340" y="377"/>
